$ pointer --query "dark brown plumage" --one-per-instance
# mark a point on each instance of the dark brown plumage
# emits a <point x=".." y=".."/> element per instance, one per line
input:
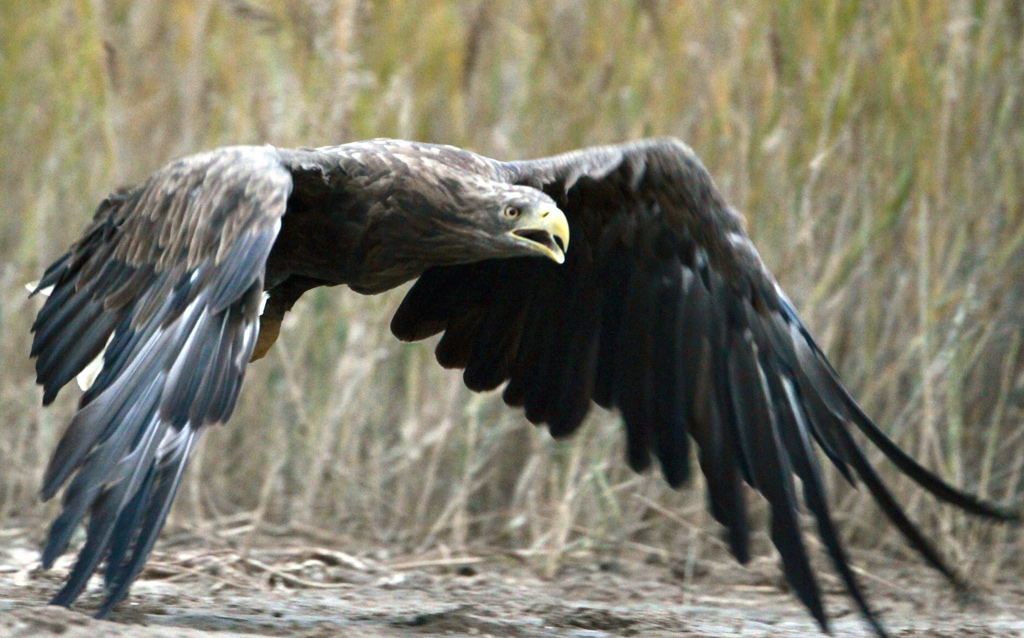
<point x="661" y="309"/>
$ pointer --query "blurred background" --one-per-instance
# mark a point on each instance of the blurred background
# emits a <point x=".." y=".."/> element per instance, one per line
<point x="877" y="150"/>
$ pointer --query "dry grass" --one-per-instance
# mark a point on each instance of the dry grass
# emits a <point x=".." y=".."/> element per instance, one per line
<point x="877" y="149"/>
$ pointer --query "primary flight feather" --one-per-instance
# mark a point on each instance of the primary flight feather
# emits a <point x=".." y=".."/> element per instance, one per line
<point x="659" y="307"/>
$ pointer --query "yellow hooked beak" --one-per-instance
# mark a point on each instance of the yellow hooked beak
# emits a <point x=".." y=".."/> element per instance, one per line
<point x="545" y="230"/>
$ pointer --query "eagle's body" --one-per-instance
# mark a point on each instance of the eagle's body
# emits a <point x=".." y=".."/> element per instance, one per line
<point x="662" y="309"/>
<point x="361" y="242"/>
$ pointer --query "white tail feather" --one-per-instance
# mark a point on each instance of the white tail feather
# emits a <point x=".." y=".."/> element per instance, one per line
<point x="33" y="285"/>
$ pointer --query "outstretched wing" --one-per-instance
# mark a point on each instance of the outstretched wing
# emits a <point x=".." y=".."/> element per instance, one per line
<point x="665" y="311"/>
<point x="166" y="284"/>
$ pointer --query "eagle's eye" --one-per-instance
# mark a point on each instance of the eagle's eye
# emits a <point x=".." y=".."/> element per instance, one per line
<point x="511" y="212"/>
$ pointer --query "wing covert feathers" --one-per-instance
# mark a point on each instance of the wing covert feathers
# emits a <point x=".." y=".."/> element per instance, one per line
<point x="665" y="311"/>
<point x="167" y="285"/>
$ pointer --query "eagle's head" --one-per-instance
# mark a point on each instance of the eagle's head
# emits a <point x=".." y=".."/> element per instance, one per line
<point x="456" y="217"/>
<point x="517" y="221"/>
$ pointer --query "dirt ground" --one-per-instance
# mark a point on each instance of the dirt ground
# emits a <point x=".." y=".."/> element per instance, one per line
<point x="192" y="588"/>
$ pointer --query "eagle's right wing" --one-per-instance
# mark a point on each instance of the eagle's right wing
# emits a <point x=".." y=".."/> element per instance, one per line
<point x="166" y="283"/>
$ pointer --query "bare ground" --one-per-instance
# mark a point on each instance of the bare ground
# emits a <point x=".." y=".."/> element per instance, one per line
<point x="297" y="587"/>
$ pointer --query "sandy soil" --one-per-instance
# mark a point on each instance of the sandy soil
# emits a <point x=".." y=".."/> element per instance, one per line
<point x="296" y="587"/>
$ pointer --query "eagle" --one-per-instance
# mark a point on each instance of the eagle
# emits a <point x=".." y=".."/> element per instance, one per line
<point x="612" y="275"/>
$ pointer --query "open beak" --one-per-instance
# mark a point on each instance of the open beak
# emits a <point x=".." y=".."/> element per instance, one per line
<point x="545" y="230"/>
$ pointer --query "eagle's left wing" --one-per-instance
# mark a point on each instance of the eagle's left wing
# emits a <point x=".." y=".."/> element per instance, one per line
<point x="664" y="310"/>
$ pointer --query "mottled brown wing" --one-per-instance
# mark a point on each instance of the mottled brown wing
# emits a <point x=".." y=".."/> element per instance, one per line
<point x="166" y="283"/>
<point x="664" y="310"/>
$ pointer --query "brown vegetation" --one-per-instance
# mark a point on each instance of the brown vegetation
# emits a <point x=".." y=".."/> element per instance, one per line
<point x="876" y="148"/>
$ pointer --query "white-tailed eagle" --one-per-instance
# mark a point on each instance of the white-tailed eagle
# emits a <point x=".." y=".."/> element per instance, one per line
<point x="614" y="275"/>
